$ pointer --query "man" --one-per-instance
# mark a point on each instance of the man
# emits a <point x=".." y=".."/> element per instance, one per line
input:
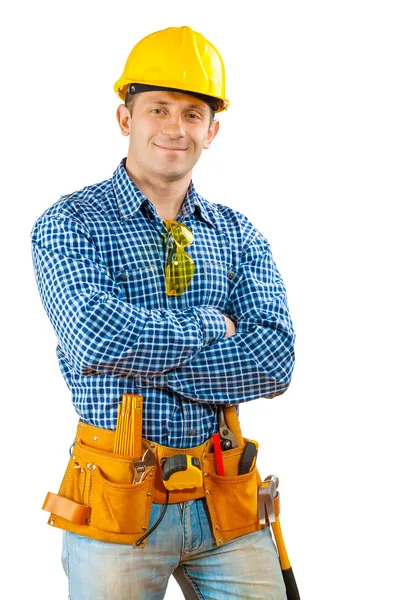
<point x="153" y="290"/>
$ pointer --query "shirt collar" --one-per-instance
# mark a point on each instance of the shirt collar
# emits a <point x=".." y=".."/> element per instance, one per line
<point x="130" y="198"/>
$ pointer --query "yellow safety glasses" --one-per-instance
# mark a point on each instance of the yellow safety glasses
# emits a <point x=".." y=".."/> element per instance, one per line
<point x="180" y="267"/>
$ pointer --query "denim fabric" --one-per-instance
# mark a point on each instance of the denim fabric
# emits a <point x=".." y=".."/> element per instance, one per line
<point x="183" y="546"/>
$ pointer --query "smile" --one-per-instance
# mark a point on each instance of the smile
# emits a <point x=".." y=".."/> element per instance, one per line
<point x="171" y="149"/>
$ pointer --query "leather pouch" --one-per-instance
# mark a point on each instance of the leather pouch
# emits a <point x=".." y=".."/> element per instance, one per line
<point x="116" y="509"/>
<point x="232" y="499"/>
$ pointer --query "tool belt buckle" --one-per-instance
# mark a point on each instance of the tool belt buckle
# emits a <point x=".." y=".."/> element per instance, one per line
<point x="267" y="493"/>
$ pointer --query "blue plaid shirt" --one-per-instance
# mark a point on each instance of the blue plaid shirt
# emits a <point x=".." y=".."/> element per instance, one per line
<point x="99" y="257"/>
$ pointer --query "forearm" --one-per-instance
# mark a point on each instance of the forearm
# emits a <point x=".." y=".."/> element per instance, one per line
<point x="243" y="367"/>
<point x="135" y="341"/>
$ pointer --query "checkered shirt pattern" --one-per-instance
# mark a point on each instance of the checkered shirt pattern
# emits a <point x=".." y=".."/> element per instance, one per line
<point x="99" y="257"/>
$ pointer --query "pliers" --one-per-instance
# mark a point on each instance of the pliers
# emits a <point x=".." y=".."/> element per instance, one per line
<point x="228" y="440"/>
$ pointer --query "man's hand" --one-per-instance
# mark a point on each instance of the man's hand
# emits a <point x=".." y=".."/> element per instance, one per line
<point x="230" y="327"/>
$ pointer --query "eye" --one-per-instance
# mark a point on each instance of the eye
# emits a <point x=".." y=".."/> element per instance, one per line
<point x="193" y="116"/>
<point x="156" y="111"/>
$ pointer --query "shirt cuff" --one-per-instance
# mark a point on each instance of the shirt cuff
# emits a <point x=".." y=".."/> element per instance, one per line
<point x="214" y="324"/>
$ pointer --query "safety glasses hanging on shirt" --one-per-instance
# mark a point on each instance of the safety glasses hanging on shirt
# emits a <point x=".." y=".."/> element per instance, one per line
<point x="180" y="267"/>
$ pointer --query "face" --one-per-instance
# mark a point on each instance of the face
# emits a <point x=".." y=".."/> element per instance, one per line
<point x="168" y="132"/>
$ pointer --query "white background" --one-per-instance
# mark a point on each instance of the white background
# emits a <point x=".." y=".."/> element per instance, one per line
<point x="309" y="151"/>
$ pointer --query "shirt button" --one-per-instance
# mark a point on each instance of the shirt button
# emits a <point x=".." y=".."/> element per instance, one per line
<point x="231" y="274"/>
<point x="192" y="432"/>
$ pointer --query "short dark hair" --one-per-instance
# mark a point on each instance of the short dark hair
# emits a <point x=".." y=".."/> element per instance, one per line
<point x="130" y="100"/>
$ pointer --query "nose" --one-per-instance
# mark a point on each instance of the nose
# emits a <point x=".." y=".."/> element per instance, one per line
<point x="173" y="127"/>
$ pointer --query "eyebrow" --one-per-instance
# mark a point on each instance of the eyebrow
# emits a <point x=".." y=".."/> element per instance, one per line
<point x="153" y="100"/>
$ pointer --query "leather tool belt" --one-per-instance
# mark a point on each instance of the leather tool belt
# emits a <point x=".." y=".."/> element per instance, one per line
<point x="97" y="498"/>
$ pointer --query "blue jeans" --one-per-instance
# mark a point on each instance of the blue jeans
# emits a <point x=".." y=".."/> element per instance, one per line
<point x="183" y="546"/>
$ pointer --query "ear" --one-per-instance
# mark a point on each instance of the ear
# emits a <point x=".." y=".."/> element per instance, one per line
<point x="124" y="119"/>
<point x="212" y="132"/>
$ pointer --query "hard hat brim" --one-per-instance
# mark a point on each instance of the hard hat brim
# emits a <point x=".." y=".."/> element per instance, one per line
<point x="138" y="88"/>
<point x="121" y="88"/>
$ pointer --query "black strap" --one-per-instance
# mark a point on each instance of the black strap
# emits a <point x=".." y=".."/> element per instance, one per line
<point x="140" y="540"/>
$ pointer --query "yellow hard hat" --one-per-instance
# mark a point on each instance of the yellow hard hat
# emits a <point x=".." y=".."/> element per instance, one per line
<point x="176" y="58"/>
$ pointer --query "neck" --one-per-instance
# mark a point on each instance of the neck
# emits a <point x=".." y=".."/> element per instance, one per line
<point x="167" y="196"/>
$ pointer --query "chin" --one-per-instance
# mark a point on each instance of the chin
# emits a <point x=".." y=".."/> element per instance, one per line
<point x="172" y="174"/>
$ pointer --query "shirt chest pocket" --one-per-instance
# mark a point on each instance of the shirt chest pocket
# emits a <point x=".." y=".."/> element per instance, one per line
<point x="212" y="283"/>
<point x="140" y="285"/>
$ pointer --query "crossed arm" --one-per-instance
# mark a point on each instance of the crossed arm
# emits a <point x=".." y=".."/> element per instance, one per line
<point x="208" y="358"/>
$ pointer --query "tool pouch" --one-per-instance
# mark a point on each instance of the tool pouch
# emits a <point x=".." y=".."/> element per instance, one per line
<point x="232" y="499"/>
<point x="97" y="498"/>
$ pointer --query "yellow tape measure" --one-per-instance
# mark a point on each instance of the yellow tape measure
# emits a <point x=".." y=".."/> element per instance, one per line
<point x="181" y="472"/>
